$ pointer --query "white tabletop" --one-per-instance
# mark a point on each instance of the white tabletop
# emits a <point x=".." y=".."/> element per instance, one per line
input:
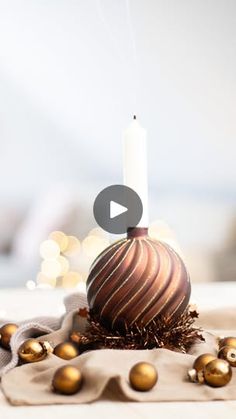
<point x="22" y="304"/>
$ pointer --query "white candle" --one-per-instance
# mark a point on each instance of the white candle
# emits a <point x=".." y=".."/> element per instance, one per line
<point x="135" y="164"/>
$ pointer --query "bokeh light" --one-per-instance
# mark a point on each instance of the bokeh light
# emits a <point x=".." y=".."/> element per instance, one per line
<point x="65" y="261"/>
<point x="64" y="265"/>
<point x="99" y="232"/>
<point x="73" y="245"/>
<point x="71" y="279"/>
<point x="61" y="239"/>
<point x="160" y="230"/>
<point x="30" y="285"/>
<point x="93" y="245"/>
<point x="51" y="268"/>
<point x="49" y="249"/>
<point x="43" y="280"/>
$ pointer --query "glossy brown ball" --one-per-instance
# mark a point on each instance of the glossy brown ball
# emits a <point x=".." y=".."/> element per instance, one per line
<point x="143" y="376"/>
<point x="228" y="354"/>
<point x="217" y="373"/>
<point x="136" y="281"/>
<point x="66" y="350"/>
<point x="67" y="380"/>
<point x="6" y="332"/>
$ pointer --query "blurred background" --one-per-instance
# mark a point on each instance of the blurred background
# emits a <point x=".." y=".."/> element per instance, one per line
<point x="72" y="74"/>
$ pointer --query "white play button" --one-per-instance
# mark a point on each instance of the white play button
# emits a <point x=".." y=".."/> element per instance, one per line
<point x="116" y="209"/>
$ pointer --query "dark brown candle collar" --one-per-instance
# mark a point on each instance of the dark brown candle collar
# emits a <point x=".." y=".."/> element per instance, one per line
<point x="134" y="232"/>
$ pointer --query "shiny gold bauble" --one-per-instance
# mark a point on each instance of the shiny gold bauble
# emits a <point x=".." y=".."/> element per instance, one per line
<point x="217" y="373"/>
<point x="227" y="341"/>
<point x="6" y="333"/>
<point x="66" y="350"/>
<point x="143" y="376"/>
<point x="202" y="360"/>
<point x="34" y="351"/>
<point x="67" y="380"/>
<point x="196" y="373"/>
<point x="228" y="354"/>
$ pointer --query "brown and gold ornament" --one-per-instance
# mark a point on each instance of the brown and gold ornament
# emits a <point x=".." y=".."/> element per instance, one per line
<point x="138" y="291"/>
<point x="137" y="280"/>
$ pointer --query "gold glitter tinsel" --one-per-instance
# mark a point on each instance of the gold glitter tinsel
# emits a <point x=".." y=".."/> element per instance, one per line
<point x="161" y="333"/>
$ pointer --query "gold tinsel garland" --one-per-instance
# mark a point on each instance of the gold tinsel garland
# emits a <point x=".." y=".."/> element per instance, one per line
<point x="160" y="333"/>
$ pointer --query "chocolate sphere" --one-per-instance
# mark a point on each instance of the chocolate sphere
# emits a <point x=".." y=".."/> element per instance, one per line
<point x="137" y="280"/>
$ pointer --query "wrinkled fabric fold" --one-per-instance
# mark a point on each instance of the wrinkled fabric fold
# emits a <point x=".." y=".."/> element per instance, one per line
<point x="38" y="327"/>
<point x="106" y="371"/>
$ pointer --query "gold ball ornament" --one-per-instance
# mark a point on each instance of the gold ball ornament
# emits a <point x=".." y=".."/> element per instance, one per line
<point x="196" y="373"/>
<point x="34" y="351"/>
<point x="67" y="380"/>
<point x="203" y="360"/>
<point x="6" y="332"/>
<point x="66" y="350"/>
<point x="228" y="354"/>
<point x="143" y="376"/>
<point x="227" y="341"/>
<point x="217" y="373"/>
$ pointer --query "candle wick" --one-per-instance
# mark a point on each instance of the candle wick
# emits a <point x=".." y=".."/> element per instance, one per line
<point x="134" y="117"/>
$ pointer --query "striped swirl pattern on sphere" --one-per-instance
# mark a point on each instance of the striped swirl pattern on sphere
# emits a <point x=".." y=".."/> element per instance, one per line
<point x="135" y="281"/>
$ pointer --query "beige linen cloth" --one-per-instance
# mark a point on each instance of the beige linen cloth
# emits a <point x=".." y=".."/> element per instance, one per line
<point x="106" y="371"/>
